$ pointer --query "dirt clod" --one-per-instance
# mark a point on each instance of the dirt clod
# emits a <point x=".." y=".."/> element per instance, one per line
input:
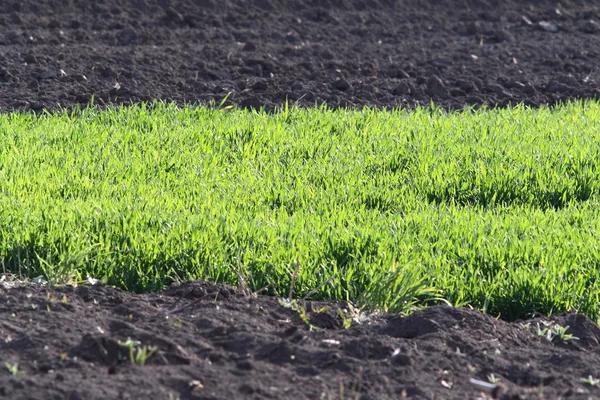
<point x="436" y="88"/>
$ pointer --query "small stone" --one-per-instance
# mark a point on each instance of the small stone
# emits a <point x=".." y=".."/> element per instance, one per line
<point x="79" y="78"/>
<point x="341" y="84"/>
<point x="526" y="20"/>
<point x="547" y="26"/>
<point x="297" y="86"/>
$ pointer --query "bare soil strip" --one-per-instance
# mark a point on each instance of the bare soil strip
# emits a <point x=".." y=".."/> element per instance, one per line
<point x="215" y="342"/>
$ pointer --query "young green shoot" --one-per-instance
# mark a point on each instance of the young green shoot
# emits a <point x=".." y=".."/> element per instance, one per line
<point x="138" y="355"/>
<point x="14" y="369"/>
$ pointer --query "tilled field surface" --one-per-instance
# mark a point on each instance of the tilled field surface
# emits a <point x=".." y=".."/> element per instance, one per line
<point x="262" y="52"/>
<point x="214" y="342"/>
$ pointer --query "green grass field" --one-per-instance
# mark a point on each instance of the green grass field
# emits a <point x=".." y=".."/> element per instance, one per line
<point x="390" y="209"/>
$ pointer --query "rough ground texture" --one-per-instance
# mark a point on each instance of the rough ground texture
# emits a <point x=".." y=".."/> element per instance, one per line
<point x="262" y="52"/>
<point x="214" y="342"/>
<point x="217" y="343"/>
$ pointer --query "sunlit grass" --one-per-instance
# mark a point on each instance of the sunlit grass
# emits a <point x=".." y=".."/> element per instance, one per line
<point x="495" y="209"/>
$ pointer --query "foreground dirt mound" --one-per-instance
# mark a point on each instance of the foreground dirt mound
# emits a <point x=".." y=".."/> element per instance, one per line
<point x="214" y="342"/>
<point x="262" y="52"/>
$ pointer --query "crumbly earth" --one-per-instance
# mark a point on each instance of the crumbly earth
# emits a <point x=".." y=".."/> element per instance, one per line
<point x="215" y="342"/>
<point x="262" y="52"/>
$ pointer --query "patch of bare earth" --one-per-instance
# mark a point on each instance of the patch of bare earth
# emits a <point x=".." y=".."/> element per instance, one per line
<point x="263" y="52"/>
<point x="203" y="341"/>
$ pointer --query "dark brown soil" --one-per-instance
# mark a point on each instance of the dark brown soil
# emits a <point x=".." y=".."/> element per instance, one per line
<point x="342" y="52"/>
<point x="213" y="342"/>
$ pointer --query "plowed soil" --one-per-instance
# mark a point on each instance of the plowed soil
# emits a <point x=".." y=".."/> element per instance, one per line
<point x="262" y="52"/>
<point x="214" y="342"/>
